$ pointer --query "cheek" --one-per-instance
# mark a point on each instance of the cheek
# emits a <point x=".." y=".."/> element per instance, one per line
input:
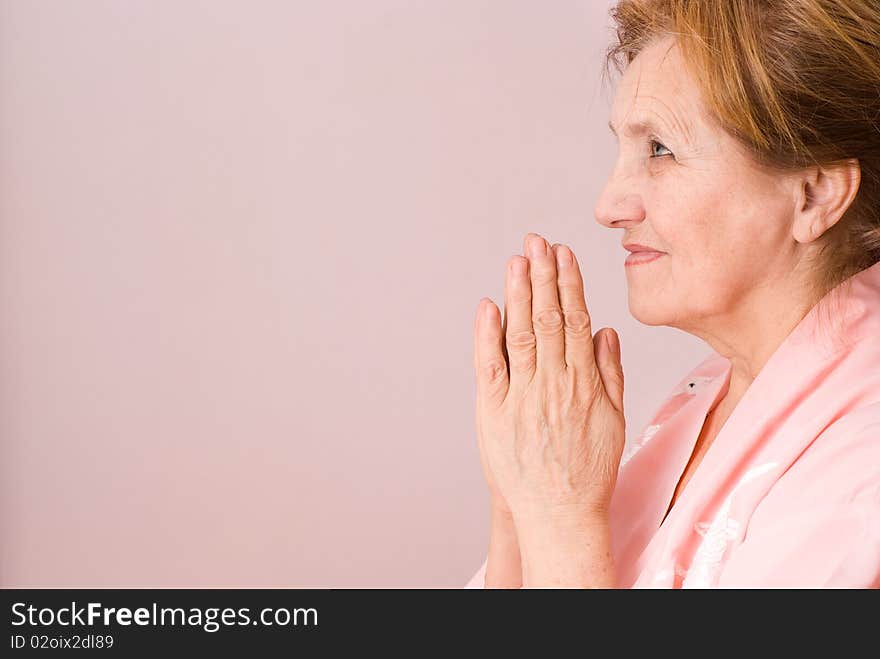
<point x="709" y="230"/>
<point x="690" y="235"/>
<point x="709" y="250"/>
<point x="713" y="262"/>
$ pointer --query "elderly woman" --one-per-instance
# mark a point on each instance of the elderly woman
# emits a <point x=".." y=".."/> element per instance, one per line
<point x="748" y="190"/>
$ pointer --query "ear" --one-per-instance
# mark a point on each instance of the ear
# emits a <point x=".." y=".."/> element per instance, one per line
<point x="824" y="195"/>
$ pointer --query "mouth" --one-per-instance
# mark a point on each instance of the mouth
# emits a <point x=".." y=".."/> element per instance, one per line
<point x="642" y="258"/>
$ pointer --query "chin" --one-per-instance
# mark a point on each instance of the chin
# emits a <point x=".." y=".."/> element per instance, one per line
<point x="651" y="311"/>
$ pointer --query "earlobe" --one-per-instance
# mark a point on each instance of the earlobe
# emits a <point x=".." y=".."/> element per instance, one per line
<point x="806" y="227"/>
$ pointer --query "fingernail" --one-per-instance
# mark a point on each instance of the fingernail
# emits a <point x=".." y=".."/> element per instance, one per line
<point x="537" y="246"/>
<point x="563" y="256"/>
<point x="612" y="344"/>
<point x="518" y="267"/>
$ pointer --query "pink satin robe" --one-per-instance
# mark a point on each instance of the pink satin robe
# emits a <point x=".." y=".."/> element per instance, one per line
<point x="788" y="494"/>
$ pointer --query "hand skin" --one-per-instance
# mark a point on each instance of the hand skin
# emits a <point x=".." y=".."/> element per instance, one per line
<point x="550" y="426"/>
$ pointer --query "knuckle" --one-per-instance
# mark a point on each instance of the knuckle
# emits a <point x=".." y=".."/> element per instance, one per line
<point x="524" y="361"/>
<point x="542" y="274"/>
<point x="518" y="341"/>
<point x="493" y="370"/>
<point x="571" y="287"/>
<point x="577" y="322"/>
<point x="520" y="296"/>
<point x="521" y="351"/>
<point x="548" y="321"/>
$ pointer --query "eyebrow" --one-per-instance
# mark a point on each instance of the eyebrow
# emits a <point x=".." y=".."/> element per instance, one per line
<point x="637" y="128"/>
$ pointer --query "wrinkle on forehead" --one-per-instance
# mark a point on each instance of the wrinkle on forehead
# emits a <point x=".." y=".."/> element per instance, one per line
<point x="675" y="90"/>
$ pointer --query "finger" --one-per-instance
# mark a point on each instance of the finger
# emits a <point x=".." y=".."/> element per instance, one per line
<point x="546" y="314"/>
<point x="519" y="337"/>
<point x="610" y="366"/>
<point x="489" y="363"/>
<point x="579" y="351"/>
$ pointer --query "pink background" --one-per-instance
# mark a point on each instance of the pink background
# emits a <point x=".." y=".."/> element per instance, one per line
<point x="241" y="248"/>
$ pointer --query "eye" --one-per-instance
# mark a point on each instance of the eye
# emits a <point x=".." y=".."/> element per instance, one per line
<point x="652" y="142"/>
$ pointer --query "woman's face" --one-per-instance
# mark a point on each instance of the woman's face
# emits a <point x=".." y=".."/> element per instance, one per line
<point x="724" y="225"/>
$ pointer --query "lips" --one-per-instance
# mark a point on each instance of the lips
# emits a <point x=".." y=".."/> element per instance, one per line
<point x="636" y="247"/>
<point x="642" y="257"/>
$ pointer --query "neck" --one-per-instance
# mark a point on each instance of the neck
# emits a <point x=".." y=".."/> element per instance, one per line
<point x="748" y="334"/>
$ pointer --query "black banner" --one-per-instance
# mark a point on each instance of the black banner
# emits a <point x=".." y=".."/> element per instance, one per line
<point x="129" y="622"/>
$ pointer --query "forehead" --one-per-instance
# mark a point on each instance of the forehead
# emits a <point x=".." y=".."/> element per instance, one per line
<point x="656" y="88"/>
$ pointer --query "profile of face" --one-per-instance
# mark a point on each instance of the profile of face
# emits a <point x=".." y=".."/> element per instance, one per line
<point x="682" y="186"/>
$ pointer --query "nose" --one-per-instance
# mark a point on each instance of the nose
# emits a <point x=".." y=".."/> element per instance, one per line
<point x="619" y="205"/>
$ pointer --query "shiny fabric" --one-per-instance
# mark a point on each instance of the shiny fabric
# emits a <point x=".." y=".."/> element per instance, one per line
<point x="788" y="494"/>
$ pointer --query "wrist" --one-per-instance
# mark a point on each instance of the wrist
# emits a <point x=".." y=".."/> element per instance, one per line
<point x="504" y="568"/>
<point x="566" y="552"/>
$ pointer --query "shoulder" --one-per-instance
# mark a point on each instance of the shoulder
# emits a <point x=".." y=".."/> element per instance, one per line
<point x="819" y="525"/>
<point x="842" y="463"/>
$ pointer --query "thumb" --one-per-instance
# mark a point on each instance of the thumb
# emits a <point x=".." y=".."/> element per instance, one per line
<point x="610" y="366"/>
